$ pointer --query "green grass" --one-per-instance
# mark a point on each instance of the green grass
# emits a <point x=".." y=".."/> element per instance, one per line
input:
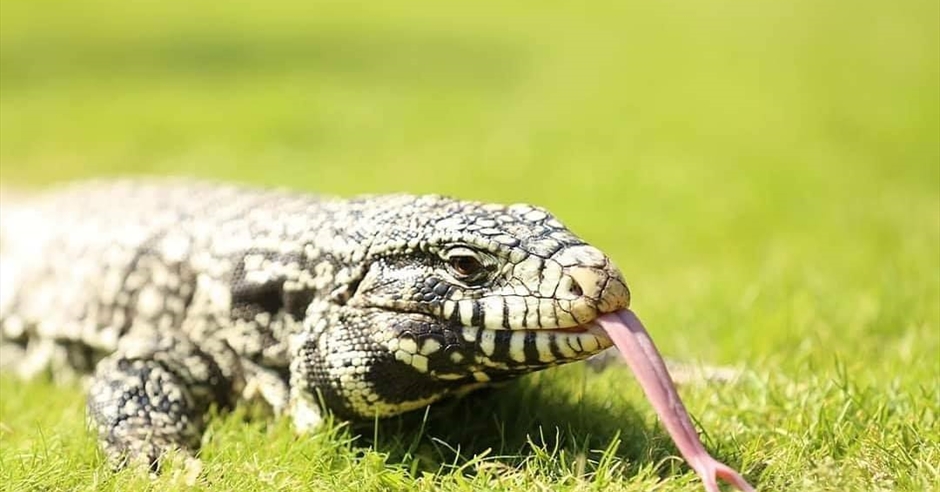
<point x="767" y="175"/>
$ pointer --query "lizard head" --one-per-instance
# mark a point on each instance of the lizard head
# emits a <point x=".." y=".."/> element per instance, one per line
<point x="459" y="294"/>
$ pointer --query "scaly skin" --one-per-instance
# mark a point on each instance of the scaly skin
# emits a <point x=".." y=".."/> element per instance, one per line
<point x="178" y="295"/>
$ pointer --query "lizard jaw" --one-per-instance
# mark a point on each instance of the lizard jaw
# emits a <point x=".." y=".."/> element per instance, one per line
<point x="534" y="348"/>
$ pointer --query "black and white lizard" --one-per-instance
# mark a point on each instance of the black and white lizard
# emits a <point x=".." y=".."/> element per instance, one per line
<point x="178" y="295"/>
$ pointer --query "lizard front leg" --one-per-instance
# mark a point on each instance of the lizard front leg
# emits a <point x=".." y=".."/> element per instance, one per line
<point x="152" y="394"/>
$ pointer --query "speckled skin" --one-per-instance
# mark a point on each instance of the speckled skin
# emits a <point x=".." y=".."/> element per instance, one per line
<point x="177" y="295"/>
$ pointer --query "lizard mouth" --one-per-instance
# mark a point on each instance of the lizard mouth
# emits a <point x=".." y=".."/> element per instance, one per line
<point x="573" y="329"/>
<point x="592" y="327"/>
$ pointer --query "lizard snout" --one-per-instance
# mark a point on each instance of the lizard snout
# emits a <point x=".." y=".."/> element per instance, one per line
<point x="604" y="288"/>
<point x="592" y="282"/>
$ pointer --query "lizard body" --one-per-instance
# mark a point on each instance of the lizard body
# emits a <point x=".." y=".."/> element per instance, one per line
<point x="177" y="295"/>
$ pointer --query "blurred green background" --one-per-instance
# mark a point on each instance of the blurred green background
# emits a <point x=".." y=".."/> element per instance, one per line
<point x="708" y="147"/>
<point x="766" y="173"/>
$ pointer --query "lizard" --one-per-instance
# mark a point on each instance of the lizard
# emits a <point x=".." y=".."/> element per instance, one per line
<point x="172" y="296"/>
<point x="178" y="295"/>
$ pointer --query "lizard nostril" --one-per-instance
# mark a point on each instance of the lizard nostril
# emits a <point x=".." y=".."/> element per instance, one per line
<point x="576" y="289"/>
<point x="585" y="282"/>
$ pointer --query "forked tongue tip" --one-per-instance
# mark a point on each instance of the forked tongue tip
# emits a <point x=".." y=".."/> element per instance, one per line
<point x="636" y="346"/>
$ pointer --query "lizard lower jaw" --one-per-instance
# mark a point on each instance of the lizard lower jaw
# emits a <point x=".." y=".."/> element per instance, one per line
<point x="538" y="347"/>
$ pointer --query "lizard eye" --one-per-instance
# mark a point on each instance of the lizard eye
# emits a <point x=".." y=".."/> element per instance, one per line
<point x="465" y="264"/>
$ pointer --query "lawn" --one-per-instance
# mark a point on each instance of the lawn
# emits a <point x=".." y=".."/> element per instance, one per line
<point x="766" y="174"/>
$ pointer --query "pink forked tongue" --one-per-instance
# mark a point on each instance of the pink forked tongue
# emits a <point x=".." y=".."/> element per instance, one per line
<point x="636" y="346"/>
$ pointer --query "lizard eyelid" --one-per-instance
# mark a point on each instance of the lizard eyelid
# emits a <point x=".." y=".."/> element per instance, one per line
<point x="466" y="264"/>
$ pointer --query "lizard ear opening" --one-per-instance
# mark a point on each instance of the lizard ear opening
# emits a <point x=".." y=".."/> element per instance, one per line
<point x="343" y="293"/>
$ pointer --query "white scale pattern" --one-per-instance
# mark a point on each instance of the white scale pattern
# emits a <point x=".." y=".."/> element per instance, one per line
<point x="178" y="295"/>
